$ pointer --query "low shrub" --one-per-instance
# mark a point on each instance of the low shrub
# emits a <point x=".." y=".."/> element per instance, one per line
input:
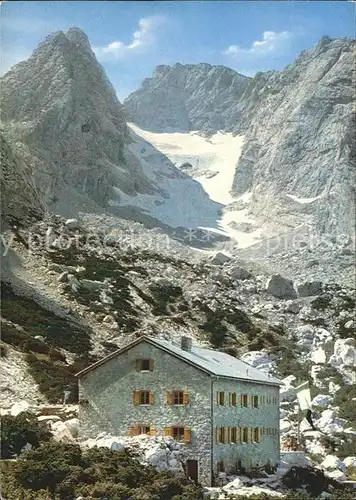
<point x="66" y="472"/>
<point x="17" y="431"/>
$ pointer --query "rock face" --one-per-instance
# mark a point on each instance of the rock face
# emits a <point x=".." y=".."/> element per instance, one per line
<point x="20" y="199"/>
<point x="186" y="97"/>
<point x="298" y="150"/>
<point x="61" y="116"/>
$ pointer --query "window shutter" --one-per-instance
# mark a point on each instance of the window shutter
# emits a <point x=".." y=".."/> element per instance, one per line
<point x="136" y="398"/>
<point x="153" y="431"/>
<point x="217" y="434"/>
<point x="242" y="399"/>
<point x="229" y="434"/>
<point x="251" y="435"/>
<point x="138" y="365"/>
<point x="134" y="430"/>
<point x="151" y="365"/>
<point x="251" y="399"/>
<point x="167" y="431"/>
<point x="152" y="398"/>
<point x="226" y="434"/>
<point x="185" y="398"/>
<point x="169" y="397"/>
<point x="187" y="434"/>
<point x="230" y="398"/>
<point x="217" y="397"/>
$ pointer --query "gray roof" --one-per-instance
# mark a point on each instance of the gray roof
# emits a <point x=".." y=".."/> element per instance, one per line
<point x="218" y="363"/>
<point x="212" y="362"/>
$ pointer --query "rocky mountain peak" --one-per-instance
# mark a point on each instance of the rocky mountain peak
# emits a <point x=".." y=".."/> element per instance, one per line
<point x="185" y="97"/>
<point x="64" y="113"/>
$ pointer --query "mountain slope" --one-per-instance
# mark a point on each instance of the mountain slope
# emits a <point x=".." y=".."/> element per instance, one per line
<point x="297" y="163"/>
<point x="185" y="97"/>
<point x="299" y="154"/>
<point x="61" y="115"/>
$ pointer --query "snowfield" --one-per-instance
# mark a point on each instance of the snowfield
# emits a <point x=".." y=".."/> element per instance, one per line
<point x="212" y="163"/>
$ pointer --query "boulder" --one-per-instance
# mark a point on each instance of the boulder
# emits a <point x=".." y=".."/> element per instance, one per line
<point x="108" y="319"/>
<point x="318" y="356"/>
<point x="49" y="418"/>
<point x="63" y="277"/>
<point x="73" y="282"/>
<point x="73" y="426"/>
<point x="280" y="287"/>
<point x="239" y="273"/>
<point x="331" y="462"/>
<point x="61" y="432"/>
<point x="19" y="407"/>
<point x="344" y="353"/>
<point x="285" y="425"/>
<point x="220" y="258"/>
<point x="293" y="307"/>
<point x="91" y="285"/>
<point x="310" y="288"/>
<point x="321" y="401"/>
<point x="234" y="485"/>
<point x="350" y="462"/>
<point x="105" y="298"/>
<point x="72" y="224"/>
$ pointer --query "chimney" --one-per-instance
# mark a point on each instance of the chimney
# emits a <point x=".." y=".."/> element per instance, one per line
<point x="186" y="344"/>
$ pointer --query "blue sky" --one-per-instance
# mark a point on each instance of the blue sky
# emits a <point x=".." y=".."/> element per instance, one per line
<point x="131" y="38"/>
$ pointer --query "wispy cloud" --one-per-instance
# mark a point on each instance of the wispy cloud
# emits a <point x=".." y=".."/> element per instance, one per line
<point x="142" y="39"/>
<point x="272" y="43"/>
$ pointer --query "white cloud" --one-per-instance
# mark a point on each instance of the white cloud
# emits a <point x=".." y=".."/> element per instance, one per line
<point x="142" y="39"/>
<point x="272" y="43"/>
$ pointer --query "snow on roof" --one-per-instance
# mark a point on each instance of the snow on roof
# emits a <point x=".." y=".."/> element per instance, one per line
<point x="213" y="362"/>
<point x="218" y="363"/>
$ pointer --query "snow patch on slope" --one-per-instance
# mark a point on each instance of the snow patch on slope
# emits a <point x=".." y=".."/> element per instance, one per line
<point x="179" y="200"/>
<point x="303" y="200"/>
<point x="213" y="162"/>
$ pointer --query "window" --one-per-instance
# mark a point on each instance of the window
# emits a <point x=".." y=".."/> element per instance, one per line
<point x="143" y="429"/>
<point x="222" y="435"/>
<point x="245" y="435"/>
<point x="256" y="435"/>
<point x="233" y="398"/>
<point x="136" y="430"/>
<point x="255" y="401"/>
<point x="220" y="396"/>
<point x="244" y="400"/>
<point x="144" y="365"/>
<point x="178" y="433"/>
<point x="143" y="398"/>
<point x="233" y="435"/>
<point x="177" y="397"/>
